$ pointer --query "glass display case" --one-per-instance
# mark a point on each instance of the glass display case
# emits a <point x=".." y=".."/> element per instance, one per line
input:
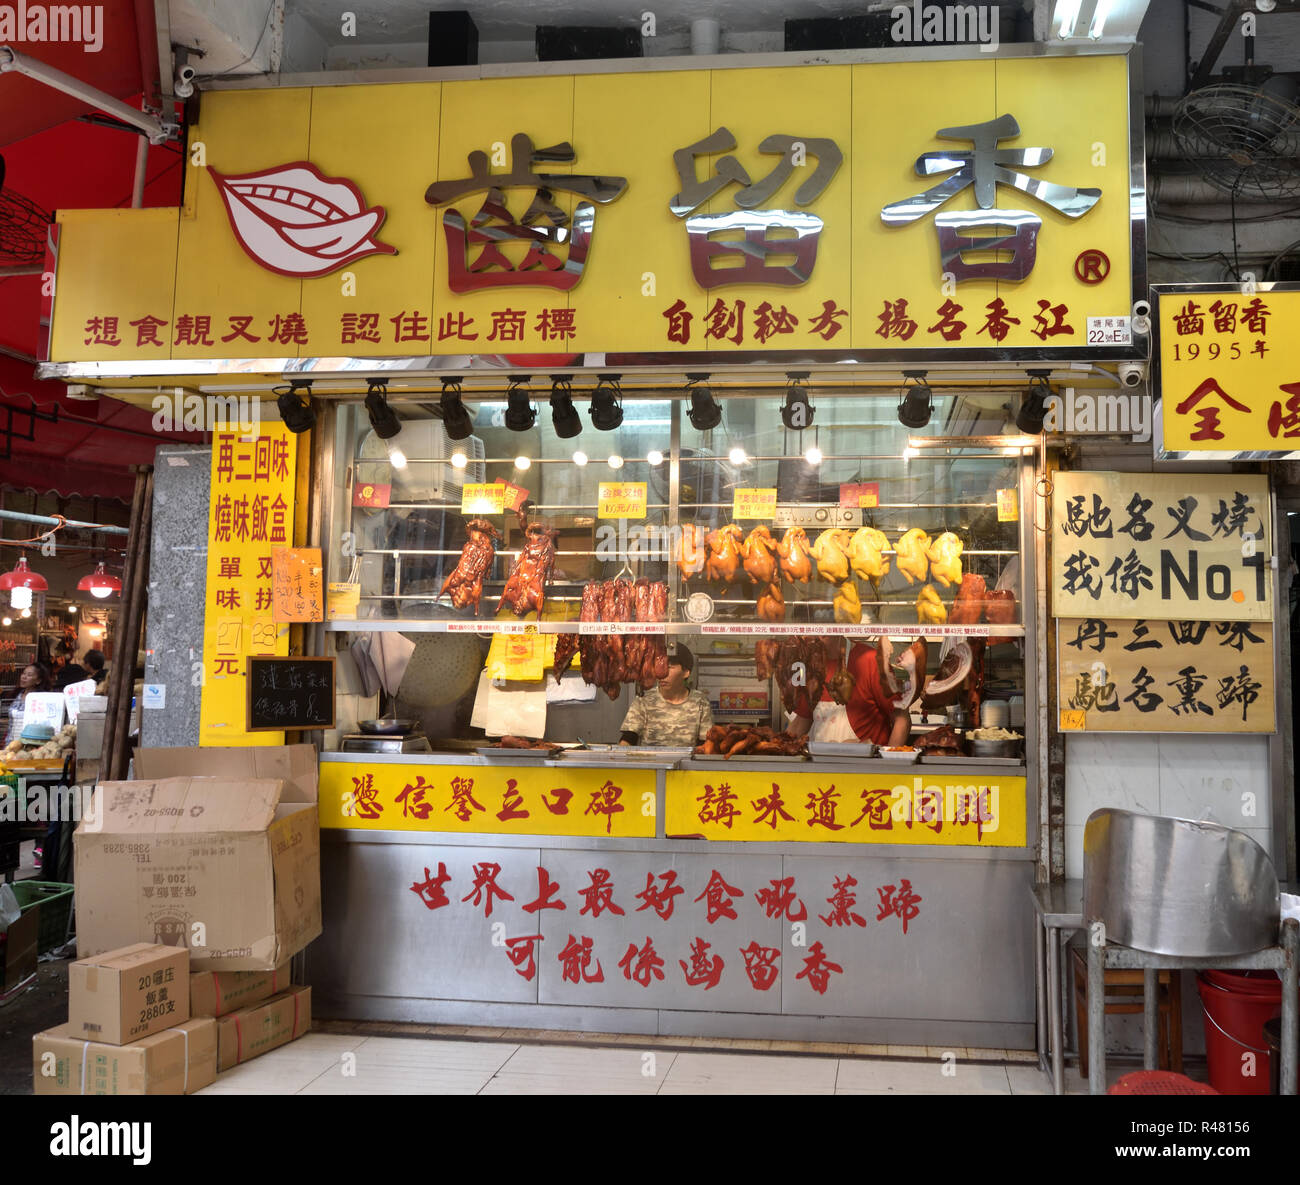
<point x="851" y="529"/>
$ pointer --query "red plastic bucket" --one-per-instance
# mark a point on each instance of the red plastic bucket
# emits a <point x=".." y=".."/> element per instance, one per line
<point x="1237" y="1004"/>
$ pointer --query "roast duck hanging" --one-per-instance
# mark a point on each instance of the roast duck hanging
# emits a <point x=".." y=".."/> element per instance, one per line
<point x="464" y="583"/>
<point x="526" y="585"/>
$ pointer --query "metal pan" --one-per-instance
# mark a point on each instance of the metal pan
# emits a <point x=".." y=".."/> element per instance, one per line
<point x="387" y="726"/>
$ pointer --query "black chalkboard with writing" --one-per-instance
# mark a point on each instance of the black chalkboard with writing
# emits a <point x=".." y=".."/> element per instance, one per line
<point x="290" y="693"/>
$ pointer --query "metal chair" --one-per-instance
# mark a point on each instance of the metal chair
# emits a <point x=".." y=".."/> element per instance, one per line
<point x="1172" y="893"/>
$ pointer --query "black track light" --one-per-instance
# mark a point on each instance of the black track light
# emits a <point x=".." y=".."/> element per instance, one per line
<point x="606" y="403"/>
<point x="456" y="420"/>
<point x="564" y="416"/>
<point x="705" y="412"/>
<point x="798" y="412"/>
<point x="917" y="403"/>
<point x="1029" y="419"/>
<point x="295" y="406"/>
<point x="521" y="415"/>
<point x="383" y="419"/>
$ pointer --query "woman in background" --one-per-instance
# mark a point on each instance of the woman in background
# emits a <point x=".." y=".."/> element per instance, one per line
<point x="35" y="677"/>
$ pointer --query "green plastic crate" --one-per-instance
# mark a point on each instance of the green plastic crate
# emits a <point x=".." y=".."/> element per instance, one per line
<point x="55" y="901"/>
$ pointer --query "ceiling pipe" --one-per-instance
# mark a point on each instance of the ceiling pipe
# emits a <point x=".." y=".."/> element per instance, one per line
<point x="1185" y="189"/>
<point x="706" y="37"/>
<point x="158" y="131"/>
<point x="43" y="520"/>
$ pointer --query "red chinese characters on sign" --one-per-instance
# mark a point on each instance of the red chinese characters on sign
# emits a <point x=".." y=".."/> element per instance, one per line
<point x="760" y="965"/>
<point x="599" y="895"/>
<point x="485" y="889"/>
<point x="605" y="801"/>
<point x="717" y="897"/>
<point x="842" y="902"/>
<point x="821" y="807"/>
<point x="876" y="810"/>
<point x="1208" y="417"/>
<point x="575" y="958"/>
<point x="702" y="970"/>
<point x="771" y="807"/>
<point x="898" y="902"/>
<point x="659" y="898"/>
<point x="522" y="953"/>
<point x="817" y="969"/>
<point x="717" y="805"/>
<point x="779" y="900"/>
<point x="363" y="800"/>
<point x="411" y="799"/>
<point x="546" y="891"/>
<point x="511" y="801"/>
<point x="641" y="965"/>
<point x="463" y="803"/>
<point x="430" y="889"/>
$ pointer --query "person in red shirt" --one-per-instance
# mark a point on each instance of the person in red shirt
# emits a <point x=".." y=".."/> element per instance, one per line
<point x="871" y="713"/>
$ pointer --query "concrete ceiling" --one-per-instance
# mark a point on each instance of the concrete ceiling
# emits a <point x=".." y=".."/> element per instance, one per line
<point x="510" y="20"/>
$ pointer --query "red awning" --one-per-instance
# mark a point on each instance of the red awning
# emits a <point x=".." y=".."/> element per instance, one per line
<point x="77" y="447"/>
<point x="125" y="64"/>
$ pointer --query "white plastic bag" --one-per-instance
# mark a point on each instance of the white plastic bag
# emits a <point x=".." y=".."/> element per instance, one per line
<point x="10" y="910"/>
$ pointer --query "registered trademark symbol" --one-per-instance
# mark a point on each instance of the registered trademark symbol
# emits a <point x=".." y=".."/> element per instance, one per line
<point x="1091" y="266"/>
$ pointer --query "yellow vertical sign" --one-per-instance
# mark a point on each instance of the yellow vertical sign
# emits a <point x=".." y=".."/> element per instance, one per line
<point x="250" y="512"/>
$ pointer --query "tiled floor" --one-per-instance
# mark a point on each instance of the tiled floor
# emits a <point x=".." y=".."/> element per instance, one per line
<point x="495" y="1061"/>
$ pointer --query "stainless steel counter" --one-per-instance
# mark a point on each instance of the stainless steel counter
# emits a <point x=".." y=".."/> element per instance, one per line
<point x="434" y="926"/>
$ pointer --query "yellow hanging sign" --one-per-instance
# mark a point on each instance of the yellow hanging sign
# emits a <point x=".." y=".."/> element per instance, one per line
<point x="621" y="499"/>
<point x="754" y="504"/>
<point x="478" y="497"/>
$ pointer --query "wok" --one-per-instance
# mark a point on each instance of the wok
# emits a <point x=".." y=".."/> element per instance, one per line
<point x="388" y="726"/>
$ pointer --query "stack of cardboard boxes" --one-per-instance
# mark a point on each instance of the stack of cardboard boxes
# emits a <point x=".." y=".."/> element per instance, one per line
<point x="203" y="872"/>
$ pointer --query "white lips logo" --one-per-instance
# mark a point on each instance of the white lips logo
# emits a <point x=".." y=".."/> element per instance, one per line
<point x="296" y="222"/>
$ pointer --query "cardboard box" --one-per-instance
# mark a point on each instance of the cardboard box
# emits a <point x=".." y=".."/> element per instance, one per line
<point x="178" y="1060"/>
<point x="215" y="993"/>
<point x="123" y="995"/>
<point x="252" y="1031"/>
<point x="18" y="949"/>
<point x="227" y="865"/>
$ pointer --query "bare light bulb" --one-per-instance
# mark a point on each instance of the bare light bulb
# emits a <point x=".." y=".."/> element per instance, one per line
<point x="100" y="593"/>
<point x="738" y="456"/>
<point x="396" y="458"/>
<point x="25" y="613"/>
<point x="72" y="608"/>
<point x="20" y="597"/>
<point x="7" y="621"/>
<point x="616" y="462"/>
<point x="655" y="457"/>
<point x="813" y="456"/>
<point x="522" y="462"/>
<point x="459" y="460"/>
<point x="580" y="458"/>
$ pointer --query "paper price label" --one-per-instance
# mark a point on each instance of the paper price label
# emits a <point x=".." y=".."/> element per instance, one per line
<point x="371" y="494"/>
<point x="478" y="497"/>
<point x="754" y="504"/>
<point x="1008" y="505"/>
<point x="621" y="499"/>
<point x="1073" y="719"/>
<point x="342" y="600"/>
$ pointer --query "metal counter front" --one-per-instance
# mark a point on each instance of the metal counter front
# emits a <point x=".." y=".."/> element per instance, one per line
<point x="890" y="904"/>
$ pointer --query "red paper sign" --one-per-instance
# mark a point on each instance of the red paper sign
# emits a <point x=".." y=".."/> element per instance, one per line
<point x="372" y="494"/>
<point x="860" y="495"/>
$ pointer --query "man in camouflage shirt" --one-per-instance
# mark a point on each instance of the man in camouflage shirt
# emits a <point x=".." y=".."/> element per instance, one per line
<point x="669" y="714"/>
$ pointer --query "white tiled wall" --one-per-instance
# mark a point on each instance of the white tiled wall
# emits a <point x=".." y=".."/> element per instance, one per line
<point x="1220" y="779"/>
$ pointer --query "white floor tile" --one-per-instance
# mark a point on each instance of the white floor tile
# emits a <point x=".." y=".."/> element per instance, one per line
<point x="435" y="1054"/>
<point x="1028" y="1080"/>
<point x="584" y="1071"/>
<point x="722" y="1073"/>
<point x="877" y="1077"/>
<point x="392" y="1081"/>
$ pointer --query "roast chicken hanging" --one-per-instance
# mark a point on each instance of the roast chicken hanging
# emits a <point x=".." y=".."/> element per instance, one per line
<point x="724" y="559"/>
<point x="793" y="556"/>
<point x="759" y="555"/>
<point x="831" y="551"/>
<point x="911" y="554"/>
<point x="464" y="582"/>
<point x="866" y="554"/>
<point x="944" y="555"/>
<point x="691" y="550"/>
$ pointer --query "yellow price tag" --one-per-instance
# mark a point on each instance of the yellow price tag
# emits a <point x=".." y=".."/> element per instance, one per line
<point x="754" y="504"/>
<point x="478" y="497"/>
<point x="1008" y="505"/>
<point x="621" y="499"/>
<point x="868" y="501"/>
<point x="1073" y="719"/>
<point x="342" y="600"/>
